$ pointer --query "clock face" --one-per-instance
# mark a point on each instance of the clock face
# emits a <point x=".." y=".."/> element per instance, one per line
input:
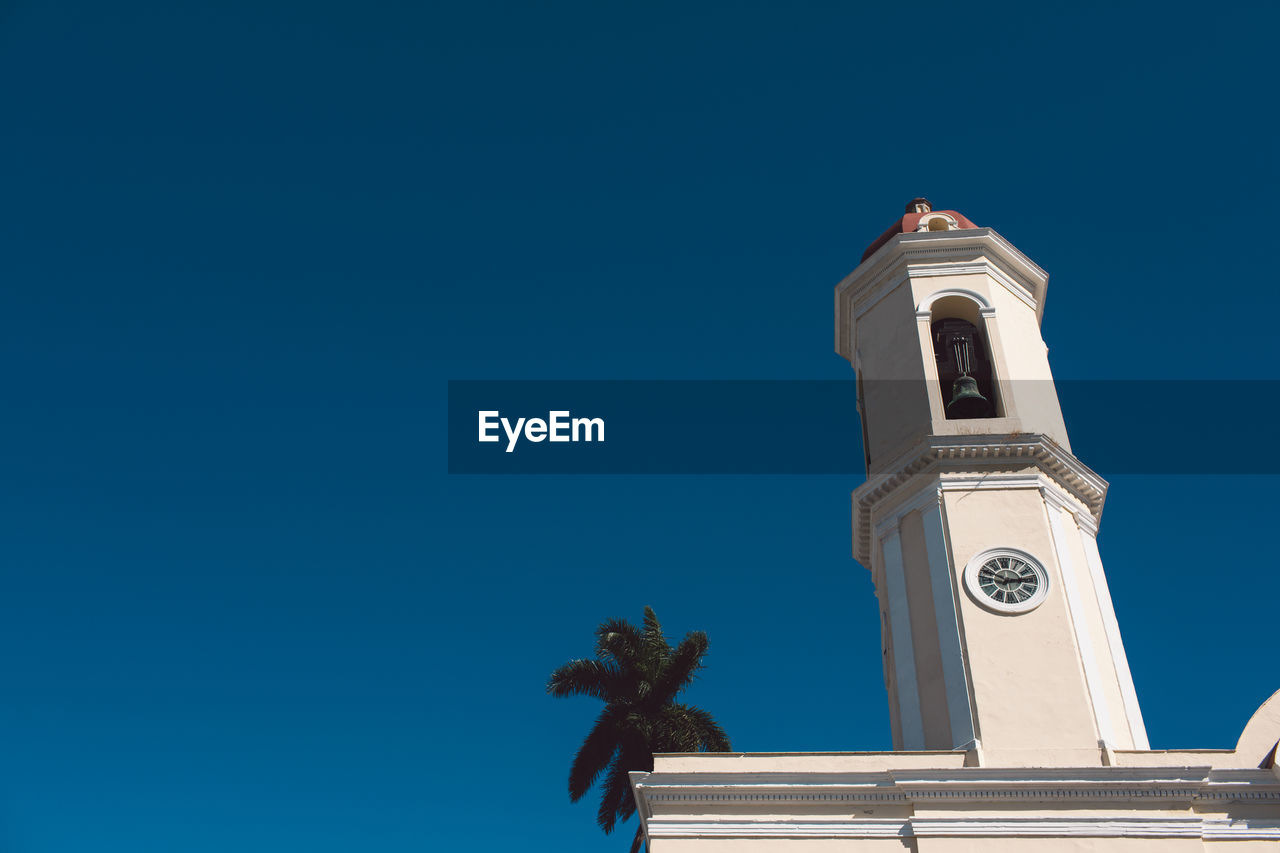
<point x="1007" y="580"/>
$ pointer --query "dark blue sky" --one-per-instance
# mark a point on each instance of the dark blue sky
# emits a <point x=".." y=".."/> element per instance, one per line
<point x="245" y="245"/>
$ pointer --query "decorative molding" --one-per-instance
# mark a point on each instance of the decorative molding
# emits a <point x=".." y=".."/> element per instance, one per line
<point x="1021" y="291"/>
<point x="1085" y="827"/>
<point x="675" y="804"/>
<point x="970" y="827"/>
<point x="1242" y="786"/>
<point x="1053" y="497"/>
<point x="929" y="495"/>
<point x="924" y="310"/>
<point x="1087" y="524"/>
<point x="948" y="221"/>
<point x="993" y="785"/>
<point x="944" y="456"/>
<point x="1241" y="830"/>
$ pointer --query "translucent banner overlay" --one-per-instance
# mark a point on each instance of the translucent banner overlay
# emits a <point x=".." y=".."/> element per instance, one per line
<point x="812" y="426"/>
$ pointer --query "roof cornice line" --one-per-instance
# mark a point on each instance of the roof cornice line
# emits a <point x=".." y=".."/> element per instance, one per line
<point x="1108" y="826"/>
<point x="917" y="255"/>
<point x="945" y="456"/>
<point x="1096" y="784"/>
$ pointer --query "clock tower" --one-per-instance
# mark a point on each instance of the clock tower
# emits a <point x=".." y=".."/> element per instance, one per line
<point x="977" y="522"/>
<point x="1015" y="722"/>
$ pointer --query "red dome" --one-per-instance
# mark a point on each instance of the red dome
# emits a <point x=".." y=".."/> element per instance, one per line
<point x="909" y="223"/>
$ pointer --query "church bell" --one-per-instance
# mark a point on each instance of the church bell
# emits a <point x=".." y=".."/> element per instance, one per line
<point x="967" y="401"/>
<point x="956" y="345"/>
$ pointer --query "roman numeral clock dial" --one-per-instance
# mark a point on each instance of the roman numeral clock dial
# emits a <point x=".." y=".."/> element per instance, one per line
<point x="1007" y="581"/>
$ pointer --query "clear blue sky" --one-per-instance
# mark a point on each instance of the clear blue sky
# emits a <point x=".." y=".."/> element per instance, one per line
<point x="246" y="244"/>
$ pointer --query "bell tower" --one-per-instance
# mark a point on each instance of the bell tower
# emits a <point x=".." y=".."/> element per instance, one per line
<point x="1015" y="724"/>
<point x="977" y="522"/>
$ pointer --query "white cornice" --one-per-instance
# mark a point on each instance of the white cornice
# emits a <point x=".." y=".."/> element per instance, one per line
<point x="1243" y="829"/>
<point x="674" y="804"/>
<point x="974" y="784"/>
<point x="926" y="254"/>
<point x="941" y="458"/>
<point x="996" y="827"/>
<point x="1098" y="827"/>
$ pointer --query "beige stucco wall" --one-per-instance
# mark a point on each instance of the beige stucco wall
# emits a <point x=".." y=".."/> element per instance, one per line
<point x="895" y="402"/>
<point x="1026" y="679"/>
<point x="1054" y="641"/>
<point x="1024" y="361"/>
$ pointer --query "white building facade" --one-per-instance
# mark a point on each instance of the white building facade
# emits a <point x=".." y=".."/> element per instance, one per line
<point x="1015" y="720"/>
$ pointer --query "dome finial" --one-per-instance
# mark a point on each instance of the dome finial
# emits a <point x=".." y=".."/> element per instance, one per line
<point x="919" y="205"/>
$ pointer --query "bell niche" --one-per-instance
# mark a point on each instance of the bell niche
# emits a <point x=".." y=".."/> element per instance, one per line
<point x="964" y="369"/>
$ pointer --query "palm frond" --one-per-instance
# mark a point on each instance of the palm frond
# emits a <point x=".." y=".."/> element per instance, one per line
<point x="711" y="738"/>
<point x="684" y="728"/>
<point x="681" y="668"/>
<point x="612" y="798"/>
<point x="638" y="841"/>
<point x="616" y="800"/>
<point x="656" y="648"/>
<point x="617" y="640"/>
<point x="594" y="678"/>
<point x="596" y="753"/>
<point x="635" y="755"/>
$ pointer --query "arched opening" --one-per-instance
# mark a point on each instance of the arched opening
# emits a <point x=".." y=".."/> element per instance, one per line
<point x="965" y="367"/>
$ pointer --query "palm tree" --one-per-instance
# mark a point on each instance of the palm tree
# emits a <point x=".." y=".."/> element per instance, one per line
<point x="637" y="675"/>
